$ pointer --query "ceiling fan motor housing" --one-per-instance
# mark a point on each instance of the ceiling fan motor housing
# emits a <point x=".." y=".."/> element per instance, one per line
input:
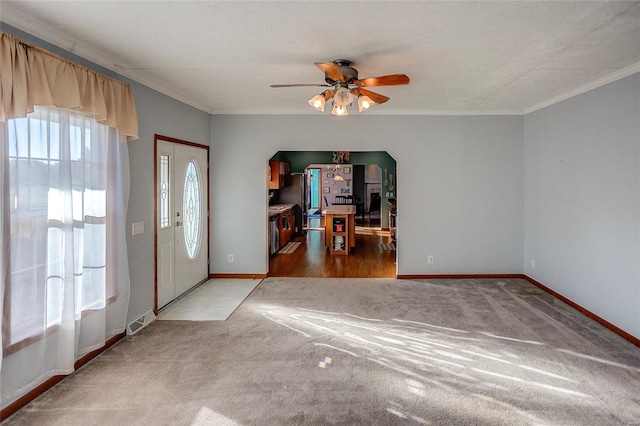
<point x="350" y="74"/>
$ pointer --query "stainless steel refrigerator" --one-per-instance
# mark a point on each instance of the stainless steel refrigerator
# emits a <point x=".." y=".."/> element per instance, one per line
<point x="295" y="192"/>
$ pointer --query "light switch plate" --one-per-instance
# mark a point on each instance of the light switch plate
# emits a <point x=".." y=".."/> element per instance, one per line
<point x="137" y="228"/>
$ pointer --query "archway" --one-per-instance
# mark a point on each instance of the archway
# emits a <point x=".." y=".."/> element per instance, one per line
<point x="356" y="182"/>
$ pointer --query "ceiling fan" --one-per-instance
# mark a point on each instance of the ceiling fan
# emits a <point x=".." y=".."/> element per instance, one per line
<point x="345" y="85"/>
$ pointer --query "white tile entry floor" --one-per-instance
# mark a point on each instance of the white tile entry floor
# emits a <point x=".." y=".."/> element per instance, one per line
<point x="214" y="300"/>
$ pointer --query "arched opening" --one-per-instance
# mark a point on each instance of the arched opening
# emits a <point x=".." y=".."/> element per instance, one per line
<point x="304" y="186"/>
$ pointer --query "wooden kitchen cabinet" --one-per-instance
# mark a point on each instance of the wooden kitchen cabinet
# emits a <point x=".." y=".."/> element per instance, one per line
<point x="286" y="225"/>
<point x="292" y="223"/>
<point x="278" y="170"/>
<point x="282" y="225"/>
<point x="283" y="230"/>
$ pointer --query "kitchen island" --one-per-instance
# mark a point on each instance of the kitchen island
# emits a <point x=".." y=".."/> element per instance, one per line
<point x="340" y="228"/>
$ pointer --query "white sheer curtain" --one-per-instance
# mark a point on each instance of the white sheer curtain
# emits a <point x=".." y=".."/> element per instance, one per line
<point x="64" y="270"/>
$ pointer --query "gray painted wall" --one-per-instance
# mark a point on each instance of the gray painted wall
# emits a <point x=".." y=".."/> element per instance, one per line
<point x="460" y="196"/>
<point x="582" y="200"/>
<point x="157" y="114"/>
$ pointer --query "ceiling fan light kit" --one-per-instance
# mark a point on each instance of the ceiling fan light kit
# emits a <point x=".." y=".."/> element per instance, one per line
<point x="317" y="102"/>
<point x="339" y="110"/>
<point x="364" y="102"/>
<point x="345" y="86"/>
<point x="342" y="97"/>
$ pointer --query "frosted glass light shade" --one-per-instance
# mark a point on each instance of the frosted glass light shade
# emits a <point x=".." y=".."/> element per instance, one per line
<point x="343" y="97"/>
<point x="317" y="102"/>
<point x="339" y="110"/>
<point x="364" y="102"/>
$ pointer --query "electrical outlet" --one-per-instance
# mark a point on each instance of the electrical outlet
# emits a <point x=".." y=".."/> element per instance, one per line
<point x="230" y="258"/>
<point x="430" y="259"/>
<point x="533" y="264"/>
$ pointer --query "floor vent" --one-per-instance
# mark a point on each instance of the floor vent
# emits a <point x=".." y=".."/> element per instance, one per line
<point x="140" y="323"/>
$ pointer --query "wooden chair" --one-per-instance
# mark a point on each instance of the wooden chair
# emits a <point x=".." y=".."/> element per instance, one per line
<point x="344" y="199"/>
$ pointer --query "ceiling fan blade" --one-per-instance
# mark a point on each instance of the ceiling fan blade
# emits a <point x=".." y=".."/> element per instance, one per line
<point x="332" y="70"/>
<point x="328" y="95"/>
<point x="386" y="80"/>
<point x="300" y="85"/>
<point x="375" y="97"/>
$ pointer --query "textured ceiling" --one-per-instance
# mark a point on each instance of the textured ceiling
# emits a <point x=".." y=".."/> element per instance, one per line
<point x="462" y="57"/>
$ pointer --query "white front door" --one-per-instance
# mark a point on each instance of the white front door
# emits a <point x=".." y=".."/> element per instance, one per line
<point x="182" y="218"/>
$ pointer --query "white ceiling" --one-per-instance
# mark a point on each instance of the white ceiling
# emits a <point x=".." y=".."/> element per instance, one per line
<point x="481" y="57"/>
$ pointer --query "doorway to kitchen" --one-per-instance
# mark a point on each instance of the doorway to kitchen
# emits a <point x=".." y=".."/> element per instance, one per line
<point x="365" y="181"/>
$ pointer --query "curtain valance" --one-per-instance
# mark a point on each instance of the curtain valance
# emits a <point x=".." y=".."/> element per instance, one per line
<point x="32" y="76"/>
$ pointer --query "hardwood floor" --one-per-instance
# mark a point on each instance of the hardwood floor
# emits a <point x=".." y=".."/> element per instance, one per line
<point x="312" y="259"/>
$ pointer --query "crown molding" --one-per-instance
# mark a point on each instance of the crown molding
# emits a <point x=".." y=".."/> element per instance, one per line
<point x="602" y="81"/>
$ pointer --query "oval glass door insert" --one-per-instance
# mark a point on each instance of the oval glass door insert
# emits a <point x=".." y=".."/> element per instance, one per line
<point x="191" y="209"/>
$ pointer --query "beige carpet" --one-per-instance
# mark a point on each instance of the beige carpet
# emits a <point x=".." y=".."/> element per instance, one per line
<point x="362" y="352"/>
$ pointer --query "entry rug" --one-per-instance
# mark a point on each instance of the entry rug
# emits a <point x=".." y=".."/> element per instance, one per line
<point x="289" y="248"/>
<point x="390" y="247"/>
